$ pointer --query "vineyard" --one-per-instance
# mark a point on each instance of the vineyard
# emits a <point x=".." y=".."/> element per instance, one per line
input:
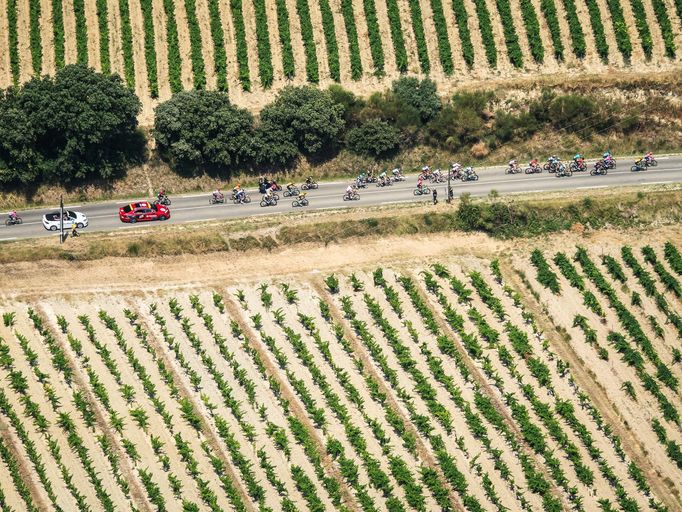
<point x="547" y="381"/>
<point x="251" y="48"/>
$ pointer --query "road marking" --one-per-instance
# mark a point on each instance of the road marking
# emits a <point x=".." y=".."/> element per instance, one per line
<point x="595" y="186"/>
<point x="659" y="182"/>
<point x="9" y="238"/>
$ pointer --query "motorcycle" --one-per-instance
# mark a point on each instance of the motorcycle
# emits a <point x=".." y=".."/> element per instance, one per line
<point x="164" y="200"/>
<point x="14" y="221"/>
<point x="300" y="202"/>
<point x="563" y="171"/>
<point x="470" y="177"/>
<point x="244" y="200"/>
<point x="216" y="200"/>
<point x="421" y="191"/>
<point x="291" y="193"/>
<point x="268" y="201"/>
<point x="600" y="168"/>
<point x="533" y="169"/>
<point x="309" y="185"/>
<point x="351" y="196"/>
<point x="578" y="167"/>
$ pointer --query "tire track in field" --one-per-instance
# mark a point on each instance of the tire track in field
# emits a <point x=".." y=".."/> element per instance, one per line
<point x="676" y="24"/>
<point x="70" y="51"/>
<point x="657" y="47"/>
<point x="93" y="35"/>
<point x="207" y="50"/>
<point x="570" y="60"/>
<point x="46" y="36"/>
<point x="591" y="55"/>
<point x="115" y="44"/>
<point x="633" y="33"/>
<point x="24" y="43"/>
<point x="139" y="61"/>
<point x="160" y="42"/>
<point x="5" y="70"/>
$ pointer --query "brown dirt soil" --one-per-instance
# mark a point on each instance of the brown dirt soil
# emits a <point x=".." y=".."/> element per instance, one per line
<point x="320" y="43"/>
<point x="296" y="42"/>
<point x="249" y="15"/>
<point x="550" y="62"/>
<point x="139" y="62"/>
<point x="5" y="70"/>
<point x="432" y="39"/>
<point x="413" y="65"/>
<point x="230" y="51"/>
<point x="453" y="37"/>
<point x="570" y="60"/>
<point x="504" y="67"/>
<point x="93" y="35"/>
<point x="24" y="50"/>
<point x="275" y="46"/>
<point x="480" y="66"/>
<point x="615" y="57"/>
<point x="159" y="19"/>
<point x="676" y="25"/>
<point x="115" y="43"/>
<point x="46" y="37"/>
<point x="207" y="50"/>
<point x="363" y="39"/>
<point x="184" y="44"/>
<point x="70" y="51"/>
<point x="341" y="40"/>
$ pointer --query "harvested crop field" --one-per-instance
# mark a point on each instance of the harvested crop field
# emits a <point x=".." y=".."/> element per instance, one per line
<point x="444" y="373"/>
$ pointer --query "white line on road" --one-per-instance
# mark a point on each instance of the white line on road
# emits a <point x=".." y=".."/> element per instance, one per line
<point x="595" y="186"/>
<point x="9" y="238"/>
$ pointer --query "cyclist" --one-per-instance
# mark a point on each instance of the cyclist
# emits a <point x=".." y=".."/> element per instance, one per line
<point x="513" y="166"/>
<point x="13" y="216"/>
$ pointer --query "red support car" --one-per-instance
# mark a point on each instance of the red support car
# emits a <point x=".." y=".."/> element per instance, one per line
<point x="143" y="211"/>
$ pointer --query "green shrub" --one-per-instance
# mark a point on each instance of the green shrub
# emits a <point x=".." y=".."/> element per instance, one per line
<point x="420" y="94"/>
<point x="58" y="31"/>
<point x="285" y="39"/>
<point x="198" y="69"/>
<point x="264" y="53"/>
<point x="330" y="40"/>
<point x="218" y="36"/>
<point x="444" y="49"/>
<point x="461" y="16"/>
<point x="174" y="62"/>
<point x="149" y="47"/>
<point x="396" y="34"/>
<point x="374" y="138"/>
<point x="419" y="36"/>
<point x="352" y="35"/>
<point x="311" y="67"/>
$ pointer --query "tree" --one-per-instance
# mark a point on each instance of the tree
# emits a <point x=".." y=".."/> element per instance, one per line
<point x="420" y="94"/>
<point x="198" y="131"/>
<point x="374" y="138"/>
<point x="77" y="126"/>
<point x="304" y="117"/>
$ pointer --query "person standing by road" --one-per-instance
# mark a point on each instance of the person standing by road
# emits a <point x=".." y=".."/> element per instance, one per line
<point x="435" y="196"/>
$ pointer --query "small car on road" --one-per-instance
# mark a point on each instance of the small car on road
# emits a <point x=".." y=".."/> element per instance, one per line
<point x="51" y="221"/>
<point x="143" y="211"/>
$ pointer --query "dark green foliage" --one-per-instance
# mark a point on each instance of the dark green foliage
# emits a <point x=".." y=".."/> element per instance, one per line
<point x="546" y="276"/>
<point x="444" y="49"/>
<point x="174" y="62"/>
<point x="575" y="28"/>
<point x="374" y="138"/>
<point x="373" y="32"/>
<point x="285" y="38"/>
<point x="396" y="35"/>
<point x="642" y="27"/>
<point x="199" y="131"/>
<point x="13" y="40"/>
<point x="127" y="43"/>
<point x="82" y="32"/>
<point x="240" y="40"/>
<point x="352" y="34"/>
<point x="198" y="69"/>
<point x="486" y="28"/>
<point x="598" y="29"/>
<point x="58" y="30"/>
<point x="420" y="94"/>
<point x="218" y="36"/>
<point x="311" y="67"/>
<point x="548" y="8"/>
<point x="666" y="27"/>
<point x="461" y="16"/>
<point x="103" y="25"/>
<point x="76" y="126"/>
<point x="673" y="256"/>
<point x="264" y="53"/>
<point x="35" y="39"/>
<point x="620" y="29"/>
<point x="149" y="47"/>
<point x="530" y="19"/>
<point x="330" y="40"/>
<point x="419" y="36"/>
<point x="510" y="36"/>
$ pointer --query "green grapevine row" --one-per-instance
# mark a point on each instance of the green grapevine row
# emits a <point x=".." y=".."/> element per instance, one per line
<point x="174" y="60"/>
<point x="375" y="47"/>
<point x="36" y="43"/>
<point x="620" y="28"/>
<point x="13" y="40"/>
<point x="510" y="37"/>
<point x="642" y="27"/>
<point x="396" y="35"/>
<point x="330" y="39"/>
<point x="81" y="32"/>
<point x="127" y="43"/>
<point x="420" y="36"/>
<point x="530" y="18"/>
<point x="218" y="36"/>
<point x="598" y="29"/>
<point x="198" y="68"/>
<point x="546" y="277"/>
<point x="103" y="25"/>
<point x="58" y="30"/>
<point x="240" y="41"/>
<point x="661" y="12"/>
<point x="311" y="67"/>
<point x="673" y="256"/>
<point x="150" y="47"/>
<point x="461" y="16"/>
<point x="352" y="35"/>
<point x="575" y="28"/>
<point x="486" y="28"/>
<point x="285" y="38"/>
<point x="444" y="49"/>
<point x="668" y="280"/>
<point x="548" y="8"/>
<point x="264" y="52"/>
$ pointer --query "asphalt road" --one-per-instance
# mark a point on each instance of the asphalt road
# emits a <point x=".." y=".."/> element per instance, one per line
<point x="192" y="208"/>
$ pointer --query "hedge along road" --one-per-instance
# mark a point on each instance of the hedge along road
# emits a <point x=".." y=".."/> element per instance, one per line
<point x="195" y="208"/>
